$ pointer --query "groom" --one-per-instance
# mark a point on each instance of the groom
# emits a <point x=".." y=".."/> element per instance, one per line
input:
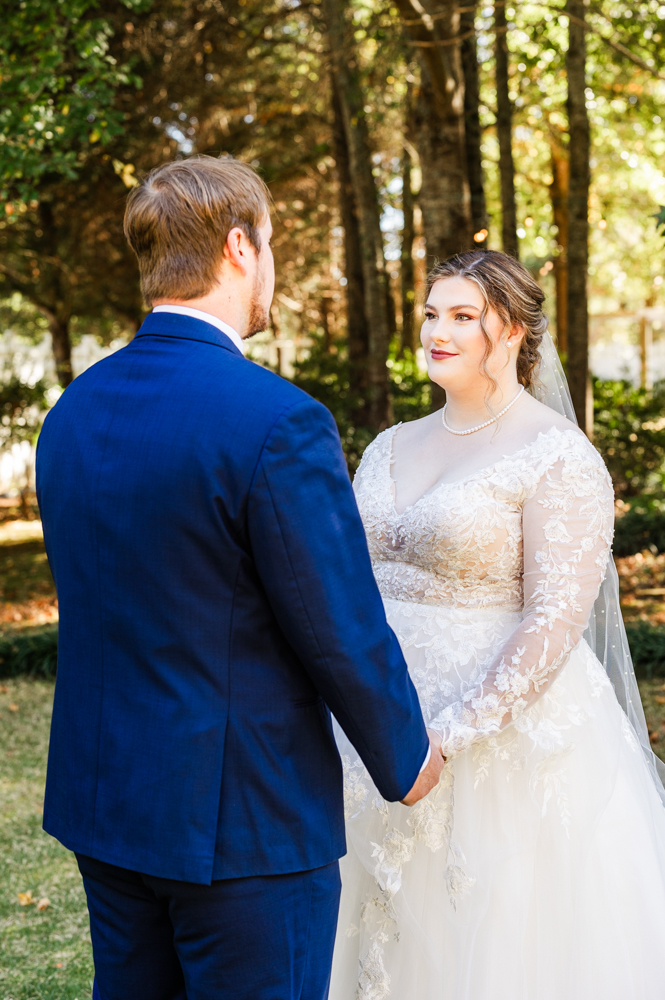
<point x="216" y="604"/>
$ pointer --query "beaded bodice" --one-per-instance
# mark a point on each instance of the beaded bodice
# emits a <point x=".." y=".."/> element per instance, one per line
<point x="461" y="543"/>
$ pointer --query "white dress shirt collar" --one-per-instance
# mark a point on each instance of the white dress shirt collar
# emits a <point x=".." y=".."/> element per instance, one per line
<point x="232" y="334"/>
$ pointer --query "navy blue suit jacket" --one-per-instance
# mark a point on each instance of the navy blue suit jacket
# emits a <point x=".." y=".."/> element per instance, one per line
<point x="216" y="602"/>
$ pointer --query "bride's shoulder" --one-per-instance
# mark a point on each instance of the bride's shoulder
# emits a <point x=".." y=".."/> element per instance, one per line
<point x="558" y="442"/>
<point x="543" y="418"/>
<point x="552" y="430"/>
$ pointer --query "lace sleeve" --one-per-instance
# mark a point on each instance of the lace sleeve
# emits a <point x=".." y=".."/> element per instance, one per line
<point x="567" y="532"/>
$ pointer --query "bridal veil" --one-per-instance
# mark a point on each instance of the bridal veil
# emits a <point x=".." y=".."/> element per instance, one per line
<point x="606" y="633"/>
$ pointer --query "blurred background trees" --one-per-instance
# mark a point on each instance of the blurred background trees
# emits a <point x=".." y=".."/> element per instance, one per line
<point x="390" y="132"/>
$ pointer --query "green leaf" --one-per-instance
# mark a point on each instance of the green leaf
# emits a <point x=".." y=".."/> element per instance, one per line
<point x="57" y="77"/>
<point x="659" y="216"/>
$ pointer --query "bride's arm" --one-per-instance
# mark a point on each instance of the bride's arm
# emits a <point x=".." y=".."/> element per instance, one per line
<point x="567" y="530"/>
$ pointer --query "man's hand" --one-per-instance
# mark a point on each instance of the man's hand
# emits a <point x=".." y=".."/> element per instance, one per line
<point x="428" y="778"/>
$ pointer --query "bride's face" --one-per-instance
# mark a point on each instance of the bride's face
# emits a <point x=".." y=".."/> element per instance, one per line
<point x="453" y="339"/>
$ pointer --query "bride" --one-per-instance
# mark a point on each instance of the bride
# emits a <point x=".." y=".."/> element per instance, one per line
<point x="536" y="869"/>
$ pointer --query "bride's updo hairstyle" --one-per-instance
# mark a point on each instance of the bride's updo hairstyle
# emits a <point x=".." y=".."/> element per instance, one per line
<point x="515" y="296"/>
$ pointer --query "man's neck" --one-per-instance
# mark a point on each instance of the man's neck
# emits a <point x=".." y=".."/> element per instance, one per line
<point x="218" y="304"/>
<point x="206" y="317"/>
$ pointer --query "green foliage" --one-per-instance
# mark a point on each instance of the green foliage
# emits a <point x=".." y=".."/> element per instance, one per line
<point x="629" y="432"/>
<point x="324" y="374"/>
<point x="20" y="316"/>
<point x="641" y="527"/>
<point x="58" y="82"/>
<point x="22" y="408"/>
<point x="647" y="648"/>
<point x="411" y="388"/>
<point x="30" y="653"/>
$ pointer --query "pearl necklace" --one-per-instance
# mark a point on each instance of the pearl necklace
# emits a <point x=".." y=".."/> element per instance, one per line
<point x="472" y="430"/>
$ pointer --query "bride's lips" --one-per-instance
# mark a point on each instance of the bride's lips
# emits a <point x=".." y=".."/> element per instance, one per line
<point x="439" y="355"/>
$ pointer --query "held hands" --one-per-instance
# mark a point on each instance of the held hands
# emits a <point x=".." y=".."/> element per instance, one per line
<point x="428" y="778"/>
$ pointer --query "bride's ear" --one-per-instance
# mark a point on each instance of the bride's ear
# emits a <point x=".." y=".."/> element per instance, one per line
<point x="515" y="336"/>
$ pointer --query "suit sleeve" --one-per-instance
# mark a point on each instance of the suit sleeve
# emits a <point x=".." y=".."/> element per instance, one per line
<point x="310" y="551"/>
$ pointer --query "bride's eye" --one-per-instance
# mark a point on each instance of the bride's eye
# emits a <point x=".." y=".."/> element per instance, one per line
<point x="463" y="316"/>
<point x="429" y="316"/>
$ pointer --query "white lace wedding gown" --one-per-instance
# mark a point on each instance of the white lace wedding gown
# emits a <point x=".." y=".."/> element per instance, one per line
<point x="536" y="869"/>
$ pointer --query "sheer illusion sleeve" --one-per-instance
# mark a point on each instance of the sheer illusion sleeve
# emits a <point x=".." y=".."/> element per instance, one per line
<point x="567" y="533"/>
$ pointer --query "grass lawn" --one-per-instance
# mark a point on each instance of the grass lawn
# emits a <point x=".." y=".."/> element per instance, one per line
<point x="45" y="943"/>
<point x="44" y="949"/>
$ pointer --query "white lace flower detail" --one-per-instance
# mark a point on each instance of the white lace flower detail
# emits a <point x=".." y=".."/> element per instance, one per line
<point x="373" y="980"/>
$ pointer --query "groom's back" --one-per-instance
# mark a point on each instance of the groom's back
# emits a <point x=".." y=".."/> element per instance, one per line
<point x="169" y="649"/>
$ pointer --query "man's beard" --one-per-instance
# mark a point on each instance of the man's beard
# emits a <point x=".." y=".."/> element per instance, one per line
<point x="259" y="318"/>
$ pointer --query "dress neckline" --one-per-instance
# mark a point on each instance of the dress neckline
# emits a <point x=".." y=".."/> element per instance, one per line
<point x="392" y="485"/>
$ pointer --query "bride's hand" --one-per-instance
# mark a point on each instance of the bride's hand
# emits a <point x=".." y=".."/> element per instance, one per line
<point x="436" y="740"/>
<point x="429" y="777"/>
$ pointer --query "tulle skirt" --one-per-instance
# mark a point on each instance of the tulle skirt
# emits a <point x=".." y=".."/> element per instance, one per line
<point x="534" y="871"/>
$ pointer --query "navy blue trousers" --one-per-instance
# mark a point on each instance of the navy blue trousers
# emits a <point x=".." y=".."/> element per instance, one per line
<point x="261" y="938"/>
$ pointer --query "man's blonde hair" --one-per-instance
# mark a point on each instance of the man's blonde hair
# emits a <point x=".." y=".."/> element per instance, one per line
<point x="178" y="219"/>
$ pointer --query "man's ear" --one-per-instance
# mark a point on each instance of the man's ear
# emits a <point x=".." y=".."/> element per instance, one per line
<point x="236" y="249"/>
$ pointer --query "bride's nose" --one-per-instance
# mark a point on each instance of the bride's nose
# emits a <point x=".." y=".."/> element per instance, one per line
<point x="440" y="335"/>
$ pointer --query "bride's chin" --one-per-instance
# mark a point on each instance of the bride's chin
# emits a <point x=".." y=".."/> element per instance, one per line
<point x="441" y="378"/>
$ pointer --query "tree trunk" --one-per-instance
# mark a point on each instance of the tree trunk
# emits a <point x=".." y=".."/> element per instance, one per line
<point x="62" y="349"/>
<point x="474" y="165"/>
<point x="444" y="198"/>
<point x="559" y="196"/>
<point x="504" y="131"/>
<point x="578" y="215"/>
<point x="323" y="313"/>
<point x="55" y="298"/>
<point x="375" y="279"/>
<point x="407" y="269"/>
<point x="356" y="322"/>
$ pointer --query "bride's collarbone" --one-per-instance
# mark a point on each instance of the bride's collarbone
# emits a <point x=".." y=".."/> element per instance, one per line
<point x="426" y="457"/>
<point x="420" y="469"/>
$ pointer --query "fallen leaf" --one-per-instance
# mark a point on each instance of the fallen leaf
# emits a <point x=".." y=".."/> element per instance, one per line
<point x="43" y="904"/>
<point x="5" y="690"/>
<point x="25" y="898"/>
<point x="659" y="699"/>
<point x="654" y="737"/>
<point x="59" y="965"/>
<point x="13" y="708"/>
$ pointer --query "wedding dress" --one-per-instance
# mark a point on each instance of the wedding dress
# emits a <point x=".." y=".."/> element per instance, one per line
<point x="536" y="869"/>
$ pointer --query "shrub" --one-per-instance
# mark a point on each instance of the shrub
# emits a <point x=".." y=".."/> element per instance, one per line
<point x="647" y="647"/>
<point x="22" y="408"/>
<point x="31" y="652"/>
<point x="641" y="527"/>
<point x="629" y="432"/>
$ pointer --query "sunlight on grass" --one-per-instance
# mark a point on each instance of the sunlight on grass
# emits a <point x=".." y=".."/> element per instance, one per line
<point x="44" y="954"/>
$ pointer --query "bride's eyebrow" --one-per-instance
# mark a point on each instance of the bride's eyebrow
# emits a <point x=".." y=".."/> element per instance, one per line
<point x="453" y="309"/>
